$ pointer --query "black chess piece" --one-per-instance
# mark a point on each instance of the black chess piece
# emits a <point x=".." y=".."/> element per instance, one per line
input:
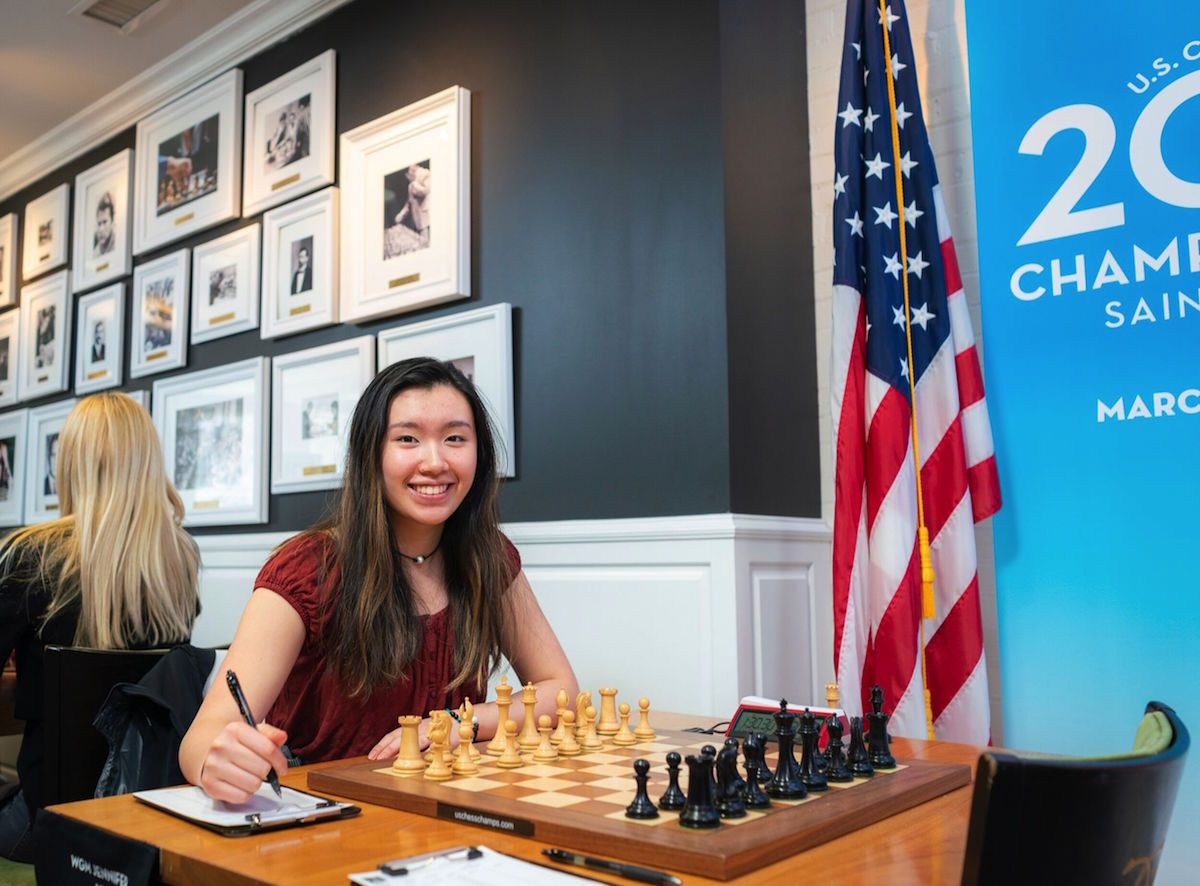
<point x="835" y="754"/>
<point x="820" y="760"/>
<point x="878" y="740"/>
<point x="785" y="784"/>
<point x="699" y="811"/>
<point x="810" y="732"/>
<point x="764" y="770"/>
<point x="856" y="757"/>
<point x="641" y="807"/>
<point x="712" y="752"/>
<point x="752" y="794"/>
<point x="672" y="797"/>
<point x="728" y="799"/>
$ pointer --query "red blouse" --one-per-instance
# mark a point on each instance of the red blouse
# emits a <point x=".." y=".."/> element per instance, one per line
<point x="321" y="720"/>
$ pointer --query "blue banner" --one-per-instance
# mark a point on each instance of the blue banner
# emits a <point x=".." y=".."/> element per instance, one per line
<point x="1086" y="131"/>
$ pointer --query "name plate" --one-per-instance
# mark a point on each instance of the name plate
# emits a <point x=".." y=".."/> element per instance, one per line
<point x="403" y="281"/>
<point x="103" y="267"/>
<point x="299" y="309"/>
<point x="493" y="821"/>
<point x="52" y="507"/>
<point x="207" y="504"/>
<point x="313" y="470"/>
<point x="157" y="355"/>
<point x="284" y="182"/>
<point x="223" y="318"/>
<point x="45" y="257"/>
<point x="183" y="219"/>
<point x="99" y="373"/>
<point x="42" y="378"/>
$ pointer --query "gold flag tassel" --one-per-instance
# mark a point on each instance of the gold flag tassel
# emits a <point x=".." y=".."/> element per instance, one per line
<point x="927" y="607"/>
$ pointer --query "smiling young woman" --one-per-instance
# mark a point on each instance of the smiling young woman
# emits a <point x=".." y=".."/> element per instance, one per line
<point x="402" y="603"/>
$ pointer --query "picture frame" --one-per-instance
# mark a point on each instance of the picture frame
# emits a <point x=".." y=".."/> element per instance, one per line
<point x="313" y="395"/>
<point x="213" y="428"/>
<point x="100" y="340"/>
<point x="160" y="315"/>
<point x="45" y="232"/>
<point x="45" y="337"/>
<point x="290" y="135"/>
<point x="102" y="249"/>
<point x="141" y="397"/>
<point x="13" y="436"/>
<point x="8" y="260"/>
<point x="300" y="265"/>
<point x="225" y="283"/>
<point x="406" y="200"/>
<point x="10" y="355"/>
<point x="187" y="165"/>
<point x="479" y="342"/>
<point x="41" y="463"/>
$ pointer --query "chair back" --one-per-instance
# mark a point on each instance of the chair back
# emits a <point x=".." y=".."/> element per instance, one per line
<point x="77" y="683"/>
<point x="1055" y="820"/>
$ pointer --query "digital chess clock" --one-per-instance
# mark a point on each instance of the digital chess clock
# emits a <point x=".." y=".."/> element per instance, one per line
<point x="757" y="714"/>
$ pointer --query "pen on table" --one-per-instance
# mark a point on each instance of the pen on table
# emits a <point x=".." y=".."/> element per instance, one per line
<point x="236" y="689"/>
<point x="629" y="871"/>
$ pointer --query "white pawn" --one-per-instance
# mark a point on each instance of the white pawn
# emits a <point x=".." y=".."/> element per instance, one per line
<point x="439" y="736"/>
<point x="624" y="735"/>
<point x="591" y="741"/>
<point x="545" y="752"/>
<point x="463" y="764"/>
<point x="644" y="731"/>
<point x="511" y="758"/>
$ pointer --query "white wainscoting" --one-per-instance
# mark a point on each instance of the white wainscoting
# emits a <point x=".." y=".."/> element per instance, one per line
<point x="693" y="611"/>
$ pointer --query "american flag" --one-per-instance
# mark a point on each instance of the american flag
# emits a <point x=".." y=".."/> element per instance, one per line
<point x="876" y="566"/>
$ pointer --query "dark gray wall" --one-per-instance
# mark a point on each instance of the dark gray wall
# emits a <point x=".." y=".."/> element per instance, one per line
<point x="605" y="210"/>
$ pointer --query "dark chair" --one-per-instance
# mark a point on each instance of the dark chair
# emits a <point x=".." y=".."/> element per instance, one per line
<point x="1077" y="820"/>
<point x="77" y="683"/>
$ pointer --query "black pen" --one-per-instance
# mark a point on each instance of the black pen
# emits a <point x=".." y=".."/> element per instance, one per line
<point x="629" y="871"/>
<point x="236" y="689"/>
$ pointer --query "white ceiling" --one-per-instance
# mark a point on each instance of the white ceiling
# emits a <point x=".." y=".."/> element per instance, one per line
<point x="54" y="64"/>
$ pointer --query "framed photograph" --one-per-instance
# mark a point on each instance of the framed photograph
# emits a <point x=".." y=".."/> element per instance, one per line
<point x="290" y="135"/>
<point x="45" y="337"/>
<point x="8" y="260"/>
<point x="313" y="395"/>
<point x="45" y="237"/>
<point x="187" y="172"/>
<point x="13" y="435"/>
<point x="100" y="339"/>
<point x="160" y="315"/>
<point x="140" y="397"/>
<point x="479" y="343"/>
<point x="41" y="460"/>
<point x="213" y="427"/>
<point x="300" y="265"/>
<point x="406" y="220"/>
<point x="10" y="355"/>
<point x="103" y="222"/>
<point x="225" y="285"/>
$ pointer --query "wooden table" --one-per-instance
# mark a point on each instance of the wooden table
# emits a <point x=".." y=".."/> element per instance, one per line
<point x="923" y="845"/>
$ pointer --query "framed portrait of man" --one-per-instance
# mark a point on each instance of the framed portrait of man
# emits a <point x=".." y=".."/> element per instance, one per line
<point x="13" y="435"/>
<point x="10" y="355"/>
<point x="406" y="226"/>
<point x="225" y="284"/>
<point x="300" y="265"/>
<point x="160" y="315"/>
<point x="102" y="249"/>
<point x="99" y="340"/>
<point x="45" y="233"/>
<point x="187" y="169"/>
<point x="8" y="260"/>
<point x="289" y="135"/>
<point x="41" y="460"/>
<point x="45" y="337"/>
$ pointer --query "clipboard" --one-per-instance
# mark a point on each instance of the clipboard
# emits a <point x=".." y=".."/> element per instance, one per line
<point x="467" y="864"/>
<point x="262" y="812"/>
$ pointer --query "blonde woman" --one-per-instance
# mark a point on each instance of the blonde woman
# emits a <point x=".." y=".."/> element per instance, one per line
<point x="115" y="571"/>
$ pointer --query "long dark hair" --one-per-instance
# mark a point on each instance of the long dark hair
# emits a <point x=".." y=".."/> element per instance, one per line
<point x="373" y="629"/>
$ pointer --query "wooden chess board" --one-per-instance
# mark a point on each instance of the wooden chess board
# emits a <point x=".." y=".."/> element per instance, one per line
<point x="579" y="802"/>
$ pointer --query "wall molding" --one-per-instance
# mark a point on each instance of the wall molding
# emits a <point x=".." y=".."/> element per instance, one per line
<point x="242" y="35"/>
<point x="724" y="527"/>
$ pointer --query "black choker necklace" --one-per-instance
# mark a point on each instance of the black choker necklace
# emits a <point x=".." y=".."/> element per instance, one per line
<point x="420" y="558"/>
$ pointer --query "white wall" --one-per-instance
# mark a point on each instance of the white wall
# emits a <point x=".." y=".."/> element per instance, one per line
<point x="940" y="45"/>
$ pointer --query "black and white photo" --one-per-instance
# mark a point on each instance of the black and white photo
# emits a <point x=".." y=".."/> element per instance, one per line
<point x="10" y="350"/>
<point x="99" y="339"/>
<point x="104" y="236"/>
<point x="45" y="232"/>
<point x="222" y="284"/>
<point x="45" y="339"/>
<point x="225" y="281"/>
<point x="302" y="273"/>
<point x="39" y="456"/>
<point x="319" y="417"/>
<point x="13" y="446"/>
<point x="44" y="344"/>
<point x="8" y="454"/>
<point x="406" y="209"/>
<point x="300" y="265"/>
<point x="4" y="346"/>
<point x="102" y="222"/>
<point x="289" y="140"/>
<point x="50" y="468"/>
<point x="8" y="259"/>
<point x="208" y="446"/>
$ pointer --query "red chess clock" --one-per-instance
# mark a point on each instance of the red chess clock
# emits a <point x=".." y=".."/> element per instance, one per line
<point x="757" y="714"/>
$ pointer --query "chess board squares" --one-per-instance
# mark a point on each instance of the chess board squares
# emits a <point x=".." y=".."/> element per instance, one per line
<point x="615" y="783"/>
<point x="607" y="769"/>
<point x="474" y="783"/>
<point x="601" y="757"/>
<point x="548" y="784"/>
<point x="618" y="798"/>
<point x="554" y="800"/>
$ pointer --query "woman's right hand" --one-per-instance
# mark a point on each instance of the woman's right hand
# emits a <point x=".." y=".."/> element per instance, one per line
<point x="239" y="759"/>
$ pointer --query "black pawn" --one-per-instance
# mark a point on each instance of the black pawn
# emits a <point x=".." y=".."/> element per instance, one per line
<point x="785" y="784"/>
<point x="709" y="751"/>
<point x="729" y="784"/>
<point x="856" y="757"/>
<point x="699" y="811"/>
<point x="641" y="807"/>
<point x="878" y="740"/>
<point x="764" y="771"/>
<point x="810" y="733"/>
<point x="753" y="795"/>
<point x="835" y="754"/>
<point x="672" y="797"/>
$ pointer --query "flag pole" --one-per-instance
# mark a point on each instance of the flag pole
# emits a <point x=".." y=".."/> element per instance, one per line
<point x="927" y="607"/>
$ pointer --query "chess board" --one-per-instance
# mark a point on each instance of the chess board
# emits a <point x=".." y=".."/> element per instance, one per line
<point x="579" y="802"/>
